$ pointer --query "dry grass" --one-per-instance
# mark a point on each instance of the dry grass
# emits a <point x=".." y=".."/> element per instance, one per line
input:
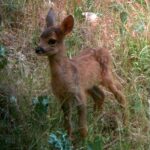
<point x="26" y="76"/>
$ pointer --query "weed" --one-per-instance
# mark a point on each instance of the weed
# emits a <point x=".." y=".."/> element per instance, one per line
<point x="59" y="141"/>
<point x="3" y="57"/>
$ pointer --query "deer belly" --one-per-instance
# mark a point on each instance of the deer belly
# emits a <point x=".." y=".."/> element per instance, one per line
<point x="90" y="76"/>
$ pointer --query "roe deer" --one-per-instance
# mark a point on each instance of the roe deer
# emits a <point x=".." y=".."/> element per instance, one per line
<point x="73" y="79"/>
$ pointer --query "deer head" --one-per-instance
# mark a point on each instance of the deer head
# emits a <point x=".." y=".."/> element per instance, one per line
<point x="51" y="40"/>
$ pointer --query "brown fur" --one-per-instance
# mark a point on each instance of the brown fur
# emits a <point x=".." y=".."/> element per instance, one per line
<point x="73" y="79"/>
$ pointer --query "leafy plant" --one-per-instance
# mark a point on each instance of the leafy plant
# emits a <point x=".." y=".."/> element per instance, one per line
<point x="41" y="104"/>
<point x="12" y="11"/>
<point x="123" y="17"/>
<point x="140" y="56"/>
<point x="3" y="57"/>
<point x="59" y="141"/>
<point x="78" y="12"/>
<point x="90" y="5"/>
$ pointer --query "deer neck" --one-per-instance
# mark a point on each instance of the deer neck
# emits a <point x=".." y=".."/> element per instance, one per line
<point x="58" y="63"/>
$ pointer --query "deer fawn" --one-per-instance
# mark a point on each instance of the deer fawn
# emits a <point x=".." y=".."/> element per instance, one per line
<point x="73" y="79"/>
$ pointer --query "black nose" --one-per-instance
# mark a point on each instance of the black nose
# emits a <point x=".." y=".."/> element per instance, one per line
<point x="39" y="50"/>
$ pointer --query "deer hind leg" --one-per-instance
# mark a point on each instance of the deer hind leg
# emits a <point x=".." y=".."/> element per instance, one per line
<point x="116" y="90"/>
<point x="98" y="96"/>
<point x="114" y="87"/>
<point x="82" y="112"/>
<point x="67" y="110"/>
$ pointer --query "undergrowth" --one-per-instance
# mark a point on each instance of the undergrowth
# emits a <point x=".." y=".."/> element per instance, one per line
<point x="30" y="116"/>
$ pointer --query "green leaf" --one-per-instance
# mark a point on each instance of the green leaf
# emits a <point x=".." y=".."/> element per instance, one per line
<point x="124" y="17"/>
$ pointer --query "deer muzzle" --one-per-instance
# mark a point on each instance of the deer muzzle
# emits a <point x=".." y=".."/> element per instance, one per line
<point x="39" y="50"/>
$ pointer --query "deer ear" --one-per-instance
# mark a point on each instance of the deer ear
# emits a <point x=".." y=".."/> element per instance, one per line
<point x="50" y="18"/>
<point x="67" y="24"/>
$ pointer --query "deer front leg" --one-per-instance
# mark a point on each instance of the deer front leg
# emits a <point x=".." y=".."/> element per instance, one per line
<point x="67" y="109"/>
<point x="82" y="112"/>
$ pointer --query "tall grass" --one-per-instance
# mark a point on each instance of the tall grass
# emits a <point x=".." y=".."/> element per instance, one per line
<point x="30" y="116"/>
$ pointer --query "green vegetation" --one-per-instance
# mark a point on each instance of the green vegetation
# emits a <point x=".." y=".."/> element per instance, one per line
<point x="30" y="116"/>
<point x="3" y="57"/>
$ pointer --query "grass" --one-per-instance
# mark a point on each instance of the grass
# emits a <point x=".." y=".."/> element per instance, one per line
<point x="31" y="117"/>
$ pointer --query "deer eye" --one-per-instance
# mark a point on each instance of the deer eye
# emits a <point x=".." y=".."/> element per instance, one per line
<point x="52" y="41"/>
